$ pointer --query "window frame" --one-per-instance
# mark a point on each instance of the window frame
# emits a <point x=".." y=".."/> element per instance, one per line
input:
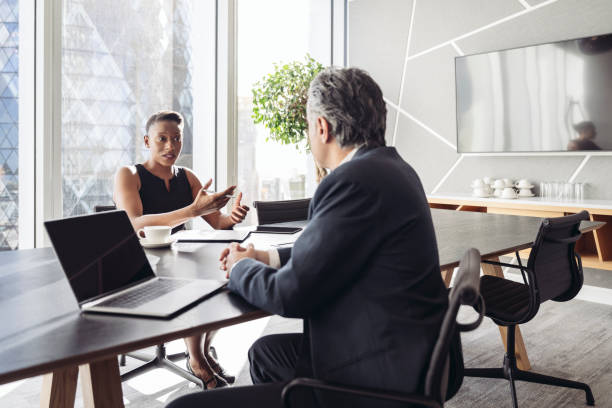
<point x="40" y="98"/>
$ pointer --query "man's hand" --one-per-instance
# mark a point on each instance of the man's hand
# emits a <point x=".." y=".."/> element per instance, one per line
<point x="239" y="212"/>
<point x="233" y="253"/>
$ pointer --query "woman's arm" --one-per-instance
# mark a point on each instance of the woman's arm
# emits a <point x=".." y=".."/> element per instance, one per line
<point x="127" y="198"/>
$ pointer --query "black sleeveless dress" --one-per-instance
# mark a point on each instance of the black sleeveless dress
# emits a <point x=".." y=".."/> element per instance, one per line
<point x="157" y="199"/>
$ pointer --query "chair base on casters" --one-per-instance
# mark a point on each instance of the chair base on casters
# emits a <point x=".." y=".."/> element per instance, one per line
<point x="512" y="373"/>
<point x="160" y="360"/>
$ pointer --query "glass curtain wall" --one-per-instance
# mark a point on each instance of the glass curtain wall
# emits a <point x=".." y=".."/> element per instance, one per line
<point x="268" y="32"/>
<point x="9" y="123"/>
<point x="121" y="62"/>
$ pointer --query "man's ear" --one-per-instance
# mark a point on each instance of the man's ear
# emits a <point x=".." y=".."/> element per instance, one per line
<point x="146" y="141"/>
<point x="323" y="130"/>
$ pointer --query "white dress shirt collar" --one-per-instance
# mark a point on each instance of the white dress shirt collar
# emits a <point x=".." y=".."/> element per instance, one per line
<point x="349" y="156"/>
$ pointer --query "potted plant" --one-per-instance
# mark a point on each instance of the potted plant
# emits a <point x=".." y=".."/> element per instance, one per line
<point x="279" y="103"/>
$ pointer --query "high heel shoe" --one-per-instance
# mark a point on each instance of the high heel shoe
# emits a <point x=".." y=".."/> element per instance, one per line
<point x="219" y="382"/>
<point x="220" y="371"/>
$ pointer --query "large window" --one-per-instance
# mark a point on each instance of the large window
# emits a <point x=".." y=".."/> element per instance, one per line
<point x="9" y="120"/>
<point x="270" y="31"/>
<point x="121" y="62"/>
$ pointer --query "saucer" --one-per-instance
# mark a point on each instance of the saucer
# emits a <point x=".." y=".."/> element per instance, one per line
<point x="146" y="244"/>
<point x="527" y="195"/>
<point x="529" y="186"/>
<point x="481" y="195"/>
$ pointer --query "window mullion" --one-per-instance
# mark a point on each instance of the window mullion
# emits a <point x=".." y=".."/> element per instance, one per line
<point x="48" y="115"/>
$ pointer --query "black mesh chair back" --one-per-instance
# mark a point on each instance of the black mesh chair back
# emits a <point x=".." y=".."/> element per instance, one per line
<point x="466" y="291"/>
<point x="557" y="269"/>
<point x="271" y="212"/>
<point x="102" y="208"/>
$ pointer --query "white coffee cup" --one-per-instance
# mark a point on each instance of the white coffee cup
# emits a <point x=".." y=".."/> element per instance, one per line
<point x="481" y="192"/>
<point x="487" y="180"/>
<point x="508" y="182"/>
<point x="155" y="234"/>
<point x="477" y="183"/>
<point x="525" y="192"/>
<point x="508" y="193"/>
<point x="499" y="184"/>
<point x="523" y="183"/>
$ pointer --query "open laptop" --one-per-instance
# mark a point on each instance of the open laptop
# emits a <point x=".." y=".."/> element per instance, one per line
<point x="108" y="270"/>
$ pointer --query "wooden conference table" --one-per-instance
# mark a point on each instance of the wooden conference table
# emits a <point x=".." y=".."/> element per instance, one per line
<point x="43" y="332"/>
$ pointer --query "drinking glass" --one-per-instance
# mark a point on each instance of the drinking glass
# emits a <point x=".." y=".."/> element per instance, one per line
<point x="579" y="191"/>
<point x="544" y="190"/>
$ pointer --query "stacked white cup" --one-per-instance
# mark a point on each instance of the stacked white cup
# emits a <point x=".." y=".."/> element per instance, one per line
<point x="524" y="187"/>
<point x="481" y="188"/>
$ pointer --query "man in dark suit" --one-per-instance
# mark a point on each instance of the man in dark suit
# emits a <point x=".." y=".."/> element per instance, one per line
<point x="364" y="275"/>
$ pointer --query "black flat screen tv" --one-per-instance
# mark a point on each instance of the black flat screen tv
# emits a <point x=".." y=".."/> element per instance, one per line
<point x="544" y="98"/>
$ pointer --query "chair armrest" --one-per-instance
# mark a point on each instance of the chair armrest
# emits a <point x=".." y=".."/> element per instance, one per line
<point x="502" y="264"/>
<point x="421" y="400"/>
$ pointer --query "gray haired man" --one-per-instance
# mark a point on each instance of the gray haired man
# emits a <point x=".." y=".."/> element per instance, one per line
<point x="364" y="275"/>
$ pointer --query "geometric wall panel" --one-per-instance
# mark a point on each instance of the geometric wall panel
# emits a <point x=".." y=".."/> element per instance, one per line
<point x="427" y="154"/>
<point x="561" y="20"/>
<point x="437" y="21"/>
<point x="429" y="91"/>
<point x="429" y="88"/>
<point x="596" y="173"/>
<point x="379" y="46"/>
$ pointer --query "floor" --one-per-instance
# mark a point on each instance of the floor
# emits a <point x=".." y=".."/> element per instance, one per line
<point x="571" y="340"/>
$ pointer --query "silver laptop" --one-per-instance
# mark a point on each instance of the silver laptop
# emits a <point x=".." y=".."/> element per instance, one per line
<point x="108" y="270"/>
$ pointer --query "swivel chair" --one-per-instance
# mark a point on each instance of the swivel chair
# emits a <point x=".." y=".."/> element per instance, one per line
<point x="553" y="272"/>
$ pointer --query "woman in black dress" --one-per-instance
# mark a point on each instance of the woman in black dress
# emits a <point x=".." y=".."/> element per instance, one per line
<point x="157" y="192"/>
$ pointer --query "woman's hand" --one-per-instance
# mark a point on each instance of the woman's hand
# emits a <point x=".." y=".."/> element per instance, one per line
<point x="239" y="212"/>
<point x="206" y="204"/>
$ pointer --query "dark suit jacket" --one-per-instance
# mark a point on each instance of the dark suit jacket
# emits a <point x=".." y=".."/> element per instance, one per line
<point x="364" y="275"/>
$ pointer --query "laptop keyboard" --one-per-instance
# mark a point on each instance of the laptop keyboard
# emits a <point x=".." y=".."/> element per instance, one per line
<point x="143" y="294"/>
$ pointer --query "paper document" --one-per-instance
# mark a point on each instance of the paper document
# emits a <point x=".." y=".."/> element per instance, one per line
<point x="211" y="236"/>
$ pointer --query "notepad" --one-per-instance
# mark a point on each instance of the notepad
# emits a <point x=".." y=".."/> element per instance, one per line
<point x="211" y="235"/>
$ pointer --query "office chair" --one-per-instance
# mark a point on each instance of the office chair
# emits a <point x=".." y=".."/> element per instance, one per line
<point x="553" y="272"/>
<point x="270" y="212"/>
<point x="465" y="292"/>
<point x="160" y="359"/>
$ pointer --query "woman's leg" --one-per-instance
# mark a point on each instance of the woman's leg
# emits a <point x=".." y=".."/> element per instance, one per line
<point x="198" y="361"/>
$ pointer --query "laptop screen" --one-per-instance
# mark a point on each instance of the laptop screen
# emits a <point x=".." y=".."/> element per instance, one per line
<point x="99" y="253"/>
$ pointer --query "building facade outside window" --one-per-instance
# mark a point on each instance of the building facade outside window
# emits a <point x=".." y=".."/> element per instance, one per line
<point x="9" y="122"/>
<point x="121" y="62"/>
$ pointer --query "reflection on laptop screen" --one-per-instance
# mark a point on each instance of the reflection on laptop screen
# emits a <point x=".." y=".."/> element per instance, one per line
<point x="99" y="253"/>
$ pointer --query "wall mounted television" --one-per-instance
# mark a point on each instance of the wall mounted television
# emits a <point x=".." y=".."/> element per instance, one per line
<point x="554" y="97"/>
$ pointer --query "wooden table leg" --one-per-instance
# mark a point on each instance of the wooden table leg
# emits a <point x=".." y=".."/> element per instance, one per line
<point x="447" y="276"/>
<point x="522" y="361"/>
<point x="102" y="384"/>
<point x="59" y="388"/>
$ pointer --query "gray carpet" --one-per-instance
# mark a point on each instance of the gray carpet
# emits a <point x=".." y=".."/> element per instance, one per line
<point x="571" y="340"/>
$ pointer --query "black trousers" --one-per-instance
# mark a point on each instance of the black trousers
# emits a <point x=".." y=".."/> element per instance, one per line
<point x="273" y="360"/>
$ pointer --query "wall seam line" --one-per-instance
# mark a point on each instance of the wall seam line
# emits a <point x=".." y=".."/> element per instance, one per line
<point x="579" y="168"/>
<point x="401" y="90"/>
<point x="447" y="175"/>
<point x="483" y="28"/>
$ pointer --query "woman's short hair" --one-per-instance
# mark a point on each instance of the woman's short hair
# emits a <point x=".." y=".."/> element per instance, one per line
<point x="164" y="115"/>
<point x="352" y="103"/>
